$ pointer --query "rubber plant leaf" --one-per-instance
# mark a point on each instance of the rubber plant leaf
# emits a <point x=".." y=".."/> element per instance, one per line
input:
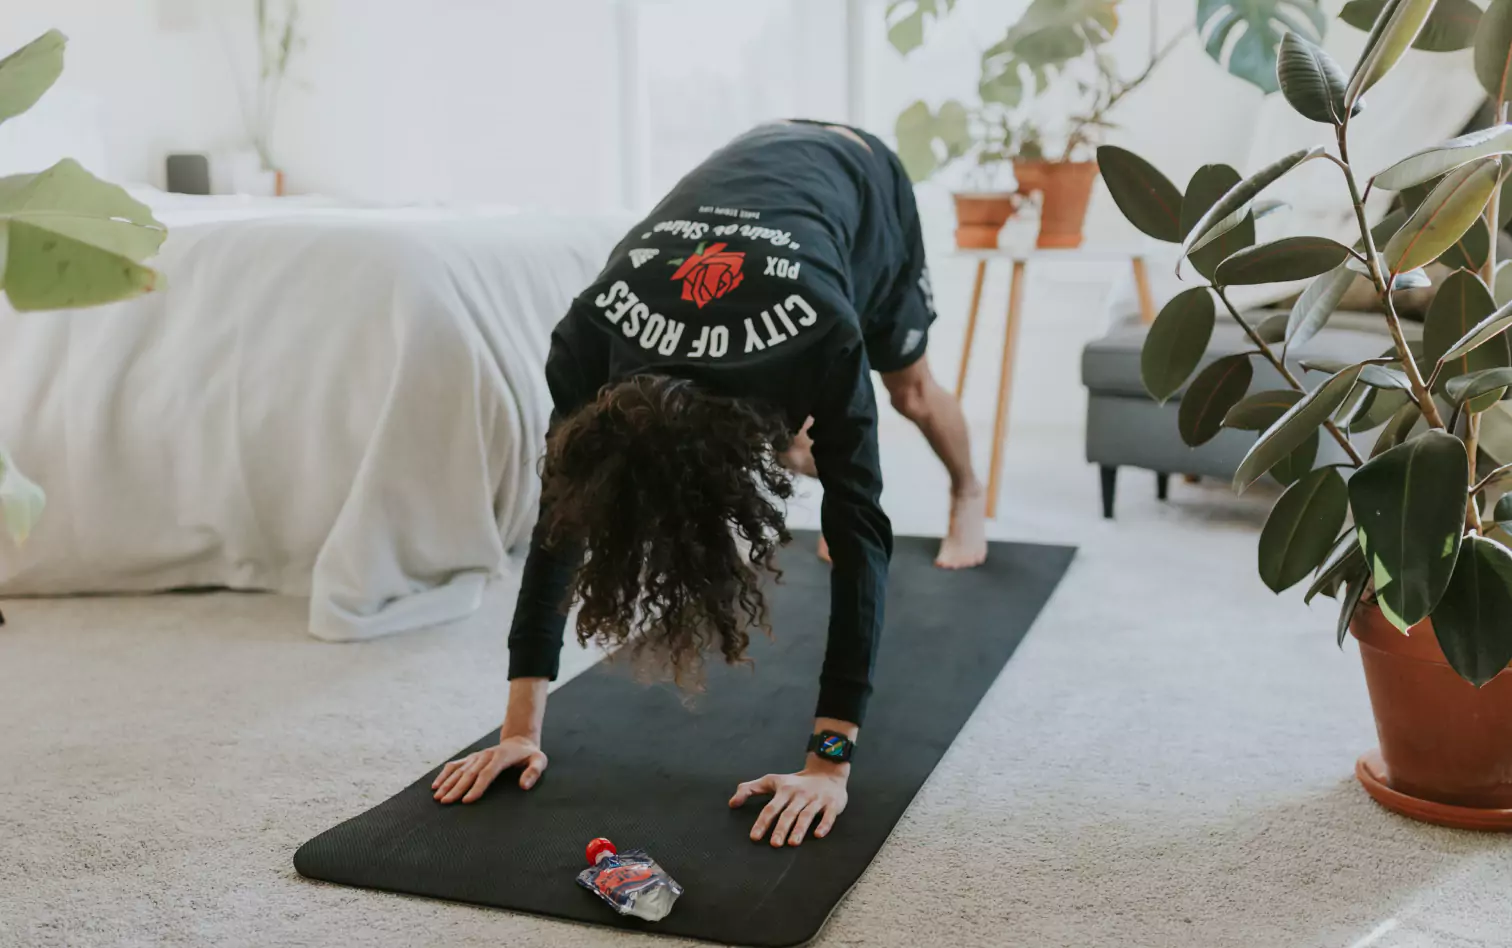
<point x="1300" y="422"/>
<point x="1301" y="528"/>
<point x="1145" y="196"/>
<point x="1471" y="618"/>
<point x="1394" y="31"/>
<point x="1176" y="342"/>
<point x="1450" y="209"/>
<point x="1409" y="506"/>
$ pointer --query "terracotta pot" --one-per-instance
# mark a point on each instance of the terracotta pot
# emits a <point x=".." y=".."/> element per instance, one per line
<point x="980" y="216"/>
<point x="1067" y="189"/>
<point x="1446" y="746"/>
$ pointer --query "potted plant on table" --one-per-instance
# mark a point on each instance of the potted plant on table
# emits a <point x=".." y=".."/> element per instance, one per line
<point x="1054" y="55"/>
<point x="67" y="240"/>
<point x="1405" y="533"/>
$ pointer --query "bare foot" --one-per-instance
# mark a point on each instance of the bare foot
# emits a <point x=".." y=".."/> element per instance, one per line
<point x="965" y="545"/>
<point x="824" y="549"/>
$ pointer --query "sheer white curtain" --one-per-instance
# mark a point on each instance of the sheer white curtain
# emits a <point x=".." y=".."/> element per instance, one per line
<point x="696" y="73"/>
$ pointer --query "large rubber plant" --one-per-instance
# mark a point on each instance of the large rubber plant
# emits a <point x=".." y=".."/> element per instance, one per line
<point x="67" y="240"/>
<point x="1409" y="524"/>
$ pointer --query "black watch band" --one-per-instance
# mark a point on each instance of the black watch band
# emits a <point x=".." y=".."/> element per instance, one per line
<point x="832" y="746"/>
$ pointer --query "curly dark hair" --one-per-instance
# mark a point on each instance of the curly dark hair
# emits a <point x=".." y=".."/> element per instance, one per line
<point x="663" y="483"/>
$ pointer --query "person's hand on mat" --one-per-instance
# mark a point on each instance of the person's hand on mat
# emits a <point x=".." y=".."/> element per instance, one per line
<point x="466" y="779"/>
<point x="817" y="792"/>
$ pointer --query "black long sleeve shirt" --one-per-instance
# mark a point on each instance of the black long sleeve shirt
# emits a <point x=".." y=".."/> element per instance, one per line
<point x="748" y="279"/>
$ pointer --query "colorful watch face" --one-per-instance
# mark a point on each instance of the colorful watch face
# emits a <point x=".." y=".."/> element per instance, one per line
<point x="833" y="746"/>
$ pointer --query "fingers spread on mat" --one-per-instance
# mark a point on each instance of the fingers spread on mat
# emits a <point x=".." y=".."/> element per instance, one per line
<point x="752" y="788"/>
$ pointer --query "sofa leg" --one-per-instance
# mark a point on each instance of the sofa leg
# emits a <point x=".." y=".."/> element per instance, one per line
<point x="1109" y="487"/>
<point x="1162" y="486"/>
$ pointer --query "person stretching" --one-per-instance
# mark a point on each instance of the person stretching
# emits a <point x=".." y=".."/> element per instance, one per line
<point x="728" y="342"/>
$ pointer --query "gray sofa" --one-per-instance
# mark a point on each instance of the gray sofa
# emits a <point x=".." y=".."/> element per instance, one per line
<point x="1127" y="428"/>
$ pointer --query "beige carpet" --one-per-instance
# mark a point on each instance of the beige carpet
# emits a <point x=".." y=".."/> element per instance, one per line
<point x="1166" y="762"/>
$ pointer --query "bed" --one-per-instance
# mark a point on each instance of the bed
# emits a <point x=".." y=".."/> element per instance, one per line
<point x="328" y="401"/>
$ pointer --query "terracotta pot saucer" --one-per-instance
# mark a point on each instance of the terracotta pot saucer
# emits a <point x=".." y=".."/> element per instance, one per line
<point x="1370" y="770"/>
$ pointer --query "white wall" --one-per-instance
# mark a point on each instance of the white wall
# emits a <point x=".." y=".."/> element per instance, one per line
<point x="154" y="90"/>
<point x="573" y="103"/>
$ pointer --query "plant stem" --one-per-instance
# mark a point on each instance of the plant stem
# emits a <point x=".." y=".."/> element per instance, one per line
<point x="1472" y="448"/>
<point x="1157" y="56"/>
<point x="1486" y="481"/>
<point x="1280" y="366"/>
<point x="1420" y="390"/>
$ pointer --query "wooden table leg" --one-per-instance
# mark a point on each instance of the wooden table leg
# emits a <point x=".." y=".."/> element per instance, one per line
<point x="976" y="302"/>
<point x="1005" y="386"/>
<point x="1142" y="284"/>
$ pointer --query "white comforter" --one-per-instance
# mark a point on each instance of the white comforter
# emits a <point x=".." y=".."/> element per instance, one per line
<point x="345" y="404"/>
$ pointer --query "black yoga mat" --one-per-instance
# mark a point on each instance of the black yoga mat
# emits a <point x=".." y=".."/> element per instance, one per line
<point x="634" y="763"/>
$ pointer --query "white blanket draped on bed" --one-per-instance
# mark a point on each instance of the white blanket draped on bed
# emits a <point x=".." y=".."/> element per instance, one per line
<point x="345" y="404"/>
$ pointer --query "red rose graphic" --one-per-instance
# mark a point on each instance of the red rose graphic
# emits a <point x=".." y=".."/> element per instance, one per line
<point x="710" y="274"/>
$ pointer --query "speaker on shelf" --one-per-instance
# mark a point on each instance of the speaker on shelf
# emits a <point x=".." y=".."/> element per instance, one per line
<point x="189" y="174"/>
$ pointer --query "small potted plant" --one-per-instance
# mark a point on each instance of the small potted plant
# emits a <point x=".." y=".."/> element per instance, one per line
<point x="1408" y="534"/>
<point x="1053" y="55"/>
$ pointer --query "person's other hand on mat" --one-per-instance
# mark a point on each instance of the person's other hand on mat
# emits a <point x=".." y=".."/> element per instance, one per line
<point x="817" y="792"/>
<point x="468" y="778"/>
<point x="519" y="746"/>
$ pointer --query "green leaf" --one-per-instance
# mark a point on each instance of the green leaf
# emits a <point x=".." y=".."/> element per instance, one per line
<point x="1346" y="559"/>
<point x="1409" y="505"/>
<point x="1502" y="512"/>
<point x="1291" y="429"/>
<point x="915" y="133"/>
<point x="1298" y="464"/>
<point x="1394" y="31"/>
<point x="1380" y="376"/>
<point x="1353" y="593"/>
<point x="1472" y="620"/>
<point x="1242" y="35"/>
<point x="45" y="270"/>
<point x="1483" y="332"/>
<point x="1469" y="252"/>
<point x="1272" y="329"/>
<point x="1382" y="408"/>
<point x="1503" y="282"/>
<point x="1208" y="185"/>
<point x="1316" y="304"/>
<point x="1450" y="26"/>
<point x="1260" y="410"/>
<point x="1214" y="391"/>
<point x="1457" y="308"/>
<point x="1301" y="528"/>
<point x="1230" y="210"/>
<point x="21" y="501"/>
<point x="1147" y="198"/>
<point x="906" y="18"/>
<point x="1330" y="366"/>
<point x="1448" y="211"/>
<point x="1479" y="383"/>
<point x="1355" y="402"/>
<point x="1311" y="81"/>
<point x="1438" y="160"/>
<point x="1176" y="342"/>
<point x="29" y="72"/>
<point x="1493" y="50"/>
<point x="1397" y="429"/>
<point x="1290" y="258"/>
<point x="69" y="201"/>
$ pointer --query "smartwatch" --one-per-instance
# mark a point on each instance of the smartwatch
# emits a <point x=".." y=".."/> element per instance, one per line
<point x="832" y="746"/>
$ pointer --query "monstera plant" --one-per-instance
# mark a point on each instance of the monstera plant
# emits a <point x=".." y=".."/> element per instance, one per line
<point x="67" y="239"/>
<point x="1402" y="530"/>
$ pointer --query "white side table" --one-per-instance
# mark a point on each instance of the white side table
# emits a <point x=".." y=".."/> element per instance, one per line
<point x="1020" y="260"/>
